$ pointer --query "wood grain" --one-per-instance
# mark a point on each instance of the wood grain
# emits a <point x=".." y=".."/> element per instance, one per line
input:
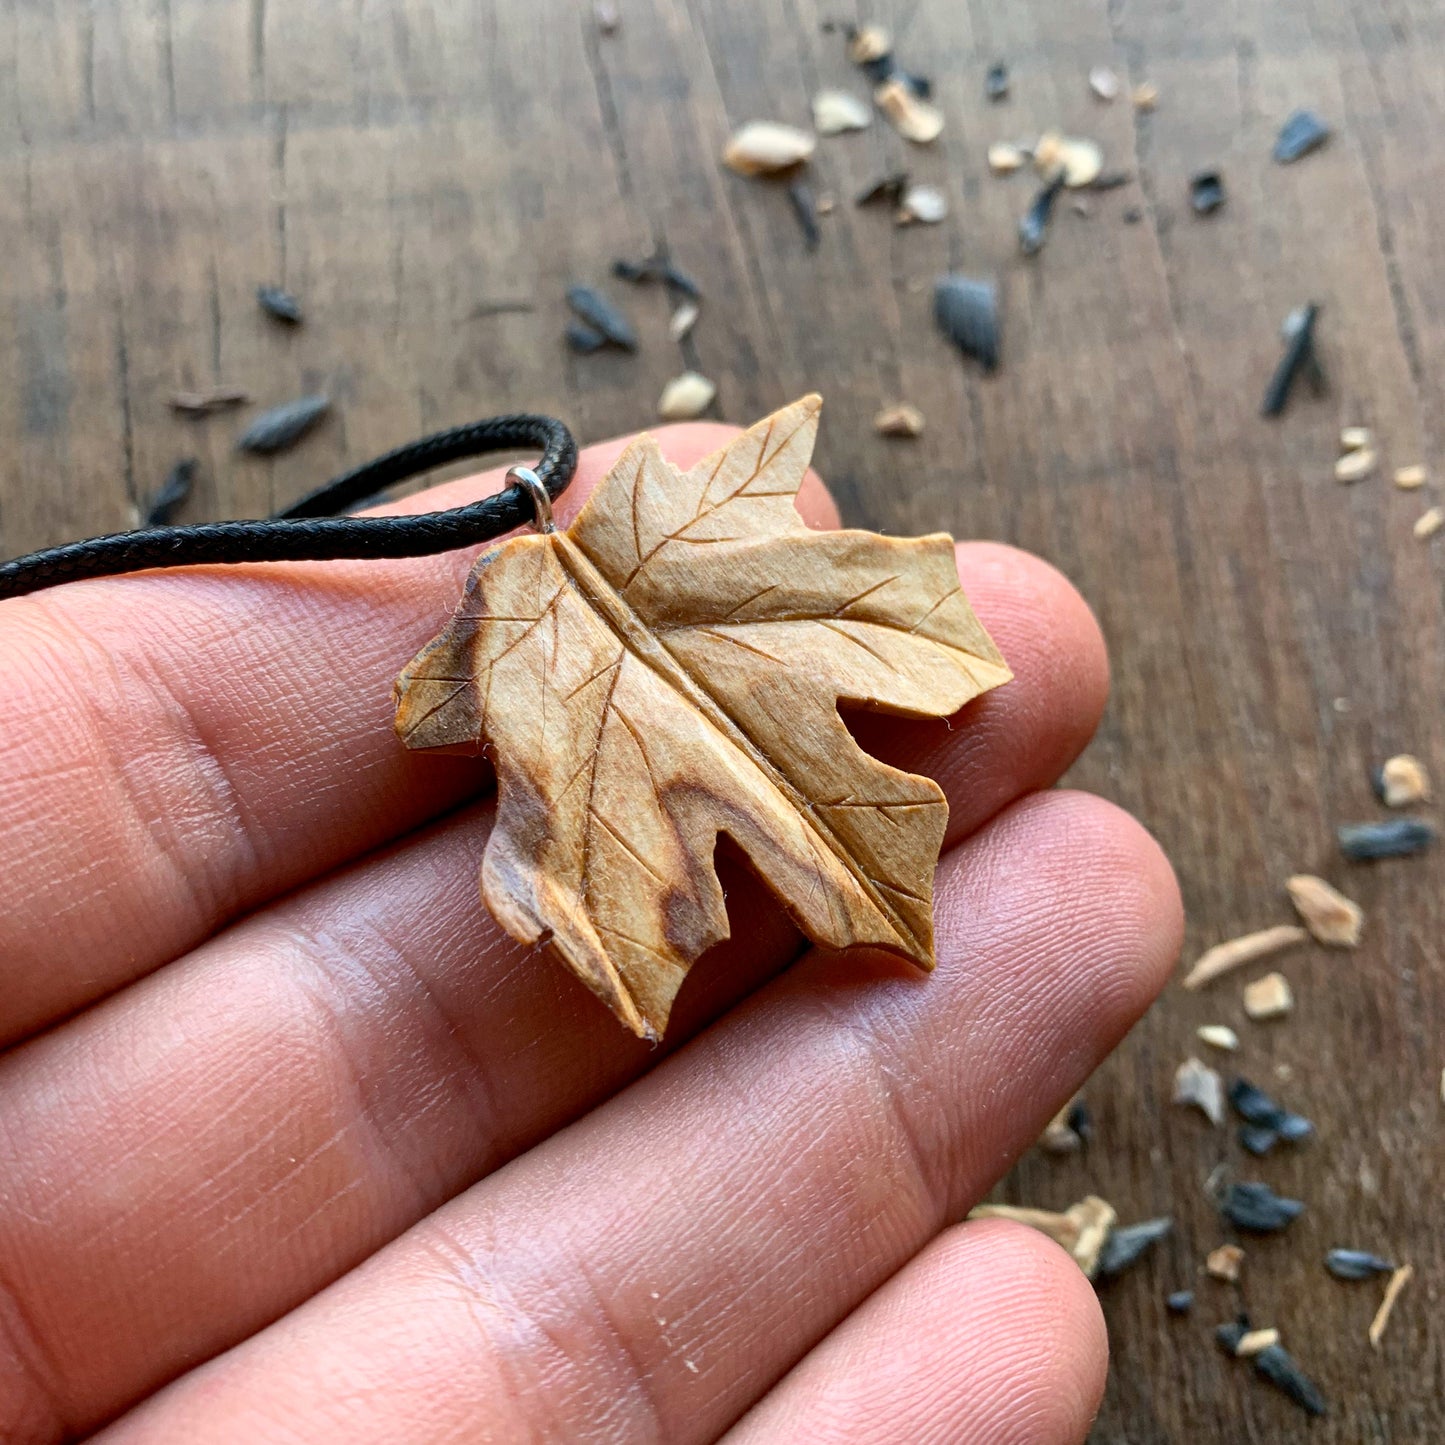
<point x="418" y="170"/>
<point x="669" y="669"/>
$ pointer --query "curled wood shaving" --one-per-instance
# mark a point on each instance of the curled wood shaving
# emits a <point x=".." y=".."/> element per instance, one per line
<point x="1225" y="1263"/>
<point x="1081" y="1229"/>
<point x="1253" y="1341"/>
<point x="1268" y="997"/>
<point x="1403" y="781"/>
<point x="1237" y="952"/>
<point x="1398" y="1281"/>
<point x="764" y="145"/>
<point x="1332" y="918"/>
<point x="902" y="420"/>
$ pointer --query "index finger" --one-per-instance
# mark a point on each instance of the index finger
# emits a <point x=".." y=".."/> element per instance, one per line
<point x="181" y="746"/>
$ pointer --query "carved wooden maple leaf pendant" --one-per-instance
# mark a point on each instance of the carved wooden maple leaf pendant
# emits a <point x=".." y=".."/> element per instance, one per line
<point x="669" y="668"/>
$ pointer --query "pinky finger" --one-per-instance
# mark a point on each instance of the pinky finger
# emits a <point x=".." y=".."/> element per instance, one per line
<point x="990" y="1336"/>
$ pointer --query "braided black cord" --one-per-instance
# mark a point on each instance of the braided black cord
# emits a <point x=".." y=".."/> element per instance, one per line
<point x="304" y="531"/>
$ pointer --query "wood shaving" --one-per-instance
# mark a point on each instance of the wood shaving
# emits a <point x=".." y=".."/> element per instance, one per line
<point x="1352" y="438"/>
<point x="1078" y="161"/>
<point x="1430" y="523"/>
<point x="1332" y="918"/>
<point x="869" y="43"/>
<point x="902" y="420"/>
<point x="836" y="111"/>
<point x="1104" y="83"/>
<point x="1225" y="1263"/>
<point x="686" y="396"/>
<point x="1253" y="1341"/>
<point x="1145" y="96"/>
<point x="217" y="398"/>
<point x="1081" y="1229"/>
<point x="1197" y="1084"/>
<point x="1408" y="478"/>
<point x="1403" y="780"/>
<point x="1218" y="1036"/>
<point x="1268" y="997"/>
<point x="1355" y="466"/>
<point x="1224" y="957"/>
<point x="912" y="117"/>
<point x="682" y="320"/>
<point x="1004" y="158"/>
<point x="762" y="146"/>
<point x="1398" y="1281"/>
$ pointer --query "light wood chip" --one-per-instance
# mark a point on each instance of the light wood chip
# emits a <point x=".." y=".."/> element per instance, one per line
<point x="1332" y="918"/>
<point x="1398" y="1281"/>
<point x="1255" y="1341"/>
<point x="1225" y="1263"/>
<point x="1427" y="525"/>
<point x="1268" y="997"/>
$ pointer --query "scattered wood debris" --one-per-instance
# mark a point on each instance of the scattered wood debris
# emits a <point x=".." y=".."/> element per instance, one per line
<point x="836" y="111"/>
<point x="1253" y="1341"/>
<point x="1302" y="133"/>
<point x="995" y="82"/>
<point x="1145" y="95"/>
<point x="914" y="118"/>
<point x="868" y="43"/>
<point x="1356" y="1264"/>
<point x="805" y="208"/>
<point x="203" y="403"/>
<point x="279" y="304"/>
<point x="1206" y="192"/>
<point x="1104" y="83"/>
<point x="1224" y="957"/>
<point x="1281" y="1369"/>
<point x="686" y="396"/>
<point x="1397" y="1282"/>
<point x="922" y="203"/>
<point x="1081" y="1229"/>
<point x="601" y="316"/>
<point x="1180" y="1302"/>
<point x="1225" y="1263"/>
<point x="283" y="426"/>
<point x="1218" y="1036"/>
<point x="1409" y="478"/>
<point x="1299" y="356"/>
<point x="1269" y="997"/>
<point x="1398" y="838"/>
<point x="1401" y="781"/>
<point x="681" y="322"/>
<point x="901" y="420"/>
<point x="1332" y="918"/>
<point x="762" y="147"/>
<point x="1004" y="158"/>
<point x="1195" y="1083"/>
<point x="966" y="311"/>
<point x="1429" y="523"/>
<point x="1257" y="1208"/>
<point x="1034" y="223"/>
<point x="162" y="508"/>
<point x="1077" y="160"/>
<point x="1128" y="1243"/>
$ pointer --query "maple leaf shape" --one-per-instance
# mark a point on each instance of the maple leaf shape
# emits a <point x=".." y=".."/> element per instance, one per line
<point x="669" y="668"/>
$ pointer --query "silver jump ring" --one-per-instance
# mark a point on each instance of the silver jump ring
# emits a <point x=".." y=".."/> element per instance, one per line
<point x="531" y="483"/>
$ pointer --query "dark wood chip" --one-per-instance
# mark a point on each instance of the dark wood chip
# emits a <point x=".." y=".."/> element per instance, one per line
<point x="1180" y="1302"/>
<point x="601" y="315"/>
<point x="887" y="188"/>
<point x="1109" y="181"/>
<point x="1281" y="1369"/>
<point x="1299" y="355"/>
<point x="1206" y="192"/>
<point x="966" y="310"/>
<point x="1034" y="223"/>
<point x="1257" y="1208"/>
<point x="656" y="268"/>
<point x="1356" y="1264"/>
<point x="173" y="491"/>
<point x="279" y="303"/>
<point x="1398" y="838"/>
<point x="284" y="425"/>
<point x="805" y="208"/>
<point x="1128" y="1243"/>
<point x="1302" y="133"/>
<point x="995" y="83"/>
<point x="583" y="338"/>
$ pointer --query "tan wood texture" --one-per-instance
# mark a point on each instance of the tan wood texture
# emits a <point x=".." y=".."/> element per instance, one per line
<point x="669" y="668"/>
<point x="429" y="175"/>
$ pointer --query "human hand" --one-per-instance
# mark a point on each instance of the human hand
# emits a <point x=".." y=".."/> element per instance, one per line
<point x="300" y="1131"/>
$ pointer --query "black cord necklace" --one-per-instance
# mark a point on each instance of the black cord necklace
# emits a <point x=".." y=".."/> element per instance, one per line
<point x="309" y="529"/>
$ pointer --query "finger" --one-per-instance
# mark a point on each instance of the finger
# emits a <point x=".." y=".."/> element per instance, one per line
<point x="181" y="746"/>
<point x="363" y="1051"/>
<point x="990" y="1336"/>
<point x="665" y="1261"/>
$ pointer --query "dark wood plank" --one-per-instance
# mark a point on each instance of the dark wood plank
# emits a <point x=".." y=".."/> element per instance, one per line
<point x="428" y="176"/>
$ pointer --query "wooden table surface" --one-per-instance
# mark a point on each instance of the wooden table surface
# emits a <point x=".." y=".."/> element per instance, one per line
<point x="430" y="174"/>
